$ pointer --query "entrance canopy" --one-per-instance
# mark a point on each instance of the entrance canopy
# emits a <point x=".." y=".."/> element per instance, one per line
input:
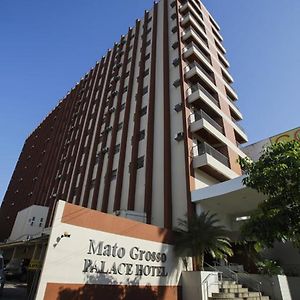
<point x="230" y="197"/>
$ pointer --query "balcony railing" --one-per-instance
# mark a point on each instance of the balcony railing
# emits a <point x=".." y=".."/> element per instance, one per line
<point x="186" y="48"/>
<point x="195" y="64"/>
<point x="197" y="22"/>
<point x="198" y="87"/>
<point x="195" y="5"/>
<point x="200" y="114"/>
<point x="238" y="125"/>
<point x="198" y="35"/>
<point x="204" y="148"/>
<point x="232" y="102"/>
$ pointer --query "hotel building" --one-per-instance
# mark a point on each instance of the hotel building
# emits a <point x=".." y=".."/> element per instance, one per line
<point x="154" y="120"/>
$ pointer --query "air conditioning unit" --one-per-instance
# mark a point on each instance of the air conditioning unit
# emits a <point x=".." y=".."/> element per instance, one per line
<point x="179" y="136"/>
<point x="104" y="150"/>
<point x="132" y="215"/>
<point x="178" y="107"/>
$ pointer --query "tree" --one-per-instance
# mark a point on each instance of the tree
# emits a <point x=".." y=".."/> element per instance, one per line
<point x="277" y="175"/>
<point x="200" y="235"/>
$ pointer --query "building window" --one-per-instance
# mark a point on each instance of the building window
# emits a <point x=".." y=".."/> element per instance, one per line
<point x="148" y="43"/>
<point x="122" y="106"/>
<point x="149" y="19"/>
<point x="129" y="60"/>
<point x="125" y="89"/>
<point x="117" y="148"/>
<point x="140" y="162"/>
<point x="144" y="111"/>
<point x="175" y="62"/>
<point x="173" y="17"/>
<point x="149" y="30"/>
<point x="145" y="90"/>
<point x="113" y="174"/>
<point x="146" y="72"/>
<point x="141" y="134"/>
<point x="147" y="56"/>
<point x="174" y="29"/>
<point x="175" y="45"/>
<point x="127" y="74"/>
<point x="176" y="83"/>
<point x="120" y="126"/>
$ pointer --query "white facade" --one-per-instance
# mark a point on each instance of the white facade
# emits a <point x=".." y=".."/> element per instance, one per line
<point x="30" y="223"/>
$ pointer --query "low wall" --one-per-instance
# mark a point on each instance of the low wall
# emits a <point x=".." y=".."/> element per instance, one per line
<point x="279" y="287"/>
<point x="197" y="285"/>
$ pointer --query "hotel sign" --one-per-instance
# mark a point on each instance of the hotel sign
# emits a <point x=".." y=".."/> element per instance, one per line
<point x="287" y="136"/>
<point x="143" y="262"/>
<point x="87" y="247"/>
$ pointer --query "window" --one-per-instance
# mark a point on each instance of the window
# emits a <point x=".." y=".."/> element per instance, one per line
<point x="148" y="43"/>
<point x="176" y="83"/>
<point x="117" y="148"/>
<point x="175" y="62"/>
<point x="149" y="30"/>
<point x="145" y="90"/>
<point x="127" y="74"/>
<point x="146" y="72"/>
<point x="125" y="89"/>
<point x="149" y="19"/>
<point x="129" y="60"/>
<point x="147" y="56"/>
<point x="174" y="29"/>
<point x="144" y="111"/>
<point x="175" y="45"/>
<point x="141" y="135"/>
<point x="120" y="126"/>
<point x="173" y="4"/>
<point x="113" y="174"/>
<point x="122" y="106"/>
<point x="140" y="162"/>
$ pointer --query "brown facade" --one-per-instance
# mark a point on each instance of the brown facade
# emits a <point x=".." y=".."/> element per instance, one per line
<point x="121" y="139"/>
<point x="113" y="292"/>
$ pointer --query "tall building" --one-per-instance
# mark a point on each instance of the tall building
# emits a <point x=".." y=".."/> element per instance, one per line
<point x="154" y="120"/>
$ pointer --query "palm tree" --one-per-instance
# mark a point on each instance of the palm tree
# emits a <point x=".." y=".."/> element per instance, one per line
<point x="200" y="235"/>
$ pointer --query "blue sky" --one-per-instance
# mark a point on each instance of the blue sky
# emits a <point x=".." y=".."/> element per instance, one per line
<point x="46" y="47"/>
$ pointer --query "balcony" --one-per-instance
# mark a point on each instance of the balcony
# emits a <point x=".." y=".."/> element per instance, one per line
<point x="194" y="3"/>
<point x="240" y="135"/>
<point x="204" y="148"/>
<point x="224" y="62"/>
<point x="217" y="35"/>
<point x="238" y="125"/>
<point x="209" y="75"/>
<point x="196" y="74"/>
<point x="189" y="19"/>
<point x="190" y="34"/>
<point x="192" y="51"/>
<point x="211" y="161"/>
<point x="202" y="115"/>
<point x="191" y="7"/>
<point x="197" y="92"/>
